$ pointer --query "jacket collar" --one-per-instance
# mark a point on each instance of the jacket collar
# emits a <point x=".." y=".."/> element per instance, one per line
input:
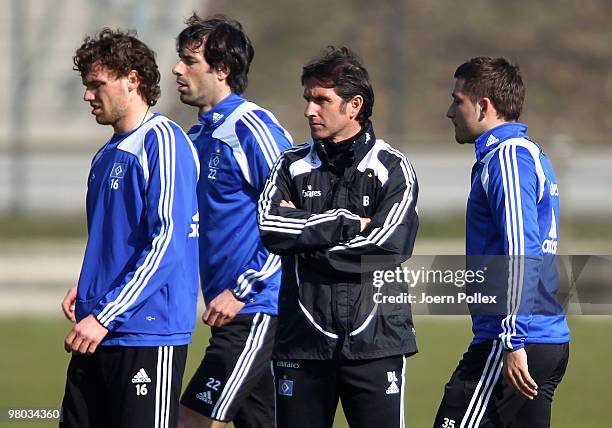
<point x="494" y="137"/>
<point x="117" y="138"/>
<point x="347" y="153"/>
<point x="217" y="115"/>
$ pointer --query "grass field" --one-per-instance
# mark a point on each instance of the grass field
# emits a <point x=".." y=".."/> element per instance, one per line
<point x="34" y="363"/>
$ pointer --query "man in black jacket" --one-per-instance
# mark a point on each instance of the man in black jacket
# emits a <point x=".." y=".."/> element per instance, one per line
<point x="327" y="205"/>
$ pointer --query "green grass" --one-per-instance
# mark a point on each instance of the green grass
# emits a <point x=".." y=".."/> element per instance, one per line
<point x="31" y="227"/>
<point x="34" y="366"/>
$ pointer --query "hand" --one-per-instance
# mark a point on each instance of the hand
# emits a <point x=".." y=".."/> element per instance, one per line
<point x="364" y="223"/>
<point x="85" y="336"/>
<point x="287" y="204"/>
<point x="222" y="309"/>
<point x="517" y="374"/>
<point x="68" y="304"/>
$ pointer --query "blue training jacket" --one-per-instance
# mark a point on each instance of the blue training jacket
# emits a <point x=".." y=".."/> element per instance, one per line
<point x="513" y="212"/>
<point x="238" y="143"/>
<point x="139" y="275"/>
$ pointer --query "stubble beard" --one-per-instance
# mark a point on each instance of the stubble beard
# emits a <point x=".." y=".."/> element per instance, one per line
<point x="112" y="117"/>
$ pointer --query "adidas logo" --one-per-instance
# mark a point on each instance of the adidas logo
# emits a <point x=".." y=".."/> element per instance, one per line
<point x="195" y="227"/>
<point x="549" y="246"/>
<point x="491" y="140"/>
<point x="393" y="389"/>
<point x="141" y="377"/>
<point x="216" y="117"/>
<point x="552" y="233"/>
<point x="205" y="396"/>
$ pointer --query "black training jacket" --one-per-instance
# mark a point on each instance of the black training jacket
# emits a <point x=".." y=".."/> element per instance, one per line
<point x="326" y="305"/>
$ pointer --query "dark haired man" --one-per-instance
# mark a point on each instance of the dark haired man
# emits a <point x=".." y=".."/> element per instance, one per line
<point x="135" y="303"/>
<point x="237" y="142"/>
<point x="512" y="213"/>
<point x="342" y="196"/>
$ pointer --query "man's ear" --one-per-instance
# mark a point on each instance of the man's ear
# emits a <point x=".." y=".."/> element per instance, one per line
<point x="133" y="79"/>
<point x="356" y="104"/>
<point x="222" y="72"/>
<point x="486" y="108"/>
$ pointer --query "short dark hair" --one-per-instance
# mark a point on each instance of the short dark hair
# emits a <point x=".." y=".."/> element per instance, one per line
<point x="496" y="79"/>
<point x="225" y="45"/>
<point x="341" y="69"/>
<point x="120" y="52"/>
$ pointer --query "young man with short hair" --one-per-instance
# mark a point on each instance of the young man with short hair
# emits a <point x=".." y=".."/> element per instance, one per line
<point x="329" y="204"/>
<point x="135" y="303"/>
<point x="512" y="227"/>
<point x="238" y="142"/>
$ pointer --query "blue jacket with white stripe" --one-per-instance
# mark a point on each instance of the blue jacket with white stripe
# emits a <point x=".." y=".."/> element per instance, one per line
<point x="238" y="143"/>
<point x="513" y="212"/>
<point x="139" y="275"/>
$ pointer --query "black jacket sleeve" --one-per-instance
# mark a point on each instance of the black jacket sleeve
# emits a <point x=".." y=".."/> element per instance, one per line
<point x="391" y="233"/>
<point x="288" y="230"/>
